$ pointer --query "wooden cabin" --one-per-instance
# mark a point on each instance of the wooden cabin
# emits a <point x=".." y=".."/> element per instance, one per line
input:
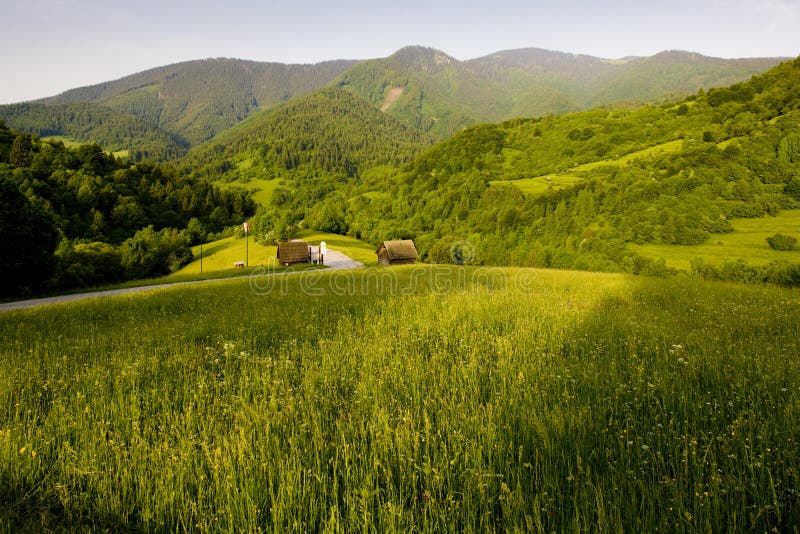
<point x="397" y="252"/>
<point x="295" y="251"/>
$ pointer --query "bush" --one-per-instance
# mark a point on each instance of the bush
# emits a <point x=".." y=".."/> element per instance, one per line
<point x="782" y="242"/>
<point x="150" y="253"/>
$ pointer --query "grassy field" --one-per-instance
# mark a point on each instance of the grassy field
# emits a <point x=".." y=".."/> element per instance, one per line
<point x="261" y="188"/>
<point x="541" y="184"/>
<point x="71" y="143"/>
<point x="463" y="400"/>
<point x="748" y="242"/>
<point x="221" y="255"/>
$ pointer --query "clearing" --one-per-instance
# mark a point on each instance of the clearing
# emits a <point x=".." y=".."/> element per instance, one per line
<point x="541" y="184"/>
<point x="748" y="242"/>
<point x="262" y="188"/>
<point x="391" y="97"/>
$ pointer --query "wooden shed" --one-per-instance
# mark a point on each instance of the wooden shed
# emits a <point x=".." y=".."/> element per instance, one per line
<point x="292" y="252"/>
<point x="397" y="252"/>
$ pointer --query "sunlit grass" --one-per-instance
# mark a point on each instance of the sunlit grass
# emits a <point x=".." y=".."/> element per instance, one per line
<point x="466" y="400"/>
<point x="261" y="188"/>
<point x="747" y="242"/>
<point x="541" y="184"/>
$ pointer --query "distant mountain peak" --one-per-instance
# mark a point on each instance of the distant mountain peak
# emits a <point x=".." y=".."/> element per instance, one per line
<point x="421" y="56"/>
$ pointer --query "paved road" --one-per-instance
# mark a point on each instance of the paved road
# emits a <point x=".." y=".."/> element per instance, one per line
<point x="334" y="260"/>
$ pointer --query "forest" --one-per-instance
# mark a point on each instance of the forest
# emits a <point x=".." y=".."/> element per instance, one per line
<point x="77" y="217"/>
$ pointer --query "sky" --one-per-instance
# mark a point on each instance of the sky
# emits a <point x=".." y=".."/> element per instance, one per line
<point x="49" y="46"/>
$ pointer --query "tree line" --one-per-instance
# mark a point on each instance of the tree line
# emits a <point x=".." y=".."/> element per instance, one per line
<point x="74" y="217"/>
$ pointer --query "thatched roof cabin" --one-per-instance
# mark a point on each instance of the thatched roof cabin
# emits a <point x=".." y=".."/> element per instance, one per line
<point x="397" y="252"/>
<point x="292" y="252"/>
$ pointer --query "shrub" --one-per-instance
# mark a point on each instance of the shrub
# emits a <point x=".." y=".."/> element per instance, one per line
<point x="782" y="242"/>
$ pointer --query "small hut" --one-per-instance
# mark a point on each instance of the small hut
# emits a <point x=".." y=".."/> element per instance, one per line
<point x="292" y="252"/>
<point x="397" y="252"/>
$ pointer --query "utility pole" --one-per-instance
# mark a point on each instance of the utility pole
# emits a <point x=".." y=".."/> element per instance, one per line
<point x="246" y="226"/>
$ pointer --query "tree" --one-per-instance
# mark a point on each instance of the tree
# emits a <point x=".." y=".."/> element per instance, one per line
<point x="28" y="238"/>
<point x="21" y="151"/>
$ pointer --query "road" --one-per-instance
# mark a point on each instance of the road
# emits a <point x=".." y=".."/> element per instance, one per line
<point x="334" y="260"/>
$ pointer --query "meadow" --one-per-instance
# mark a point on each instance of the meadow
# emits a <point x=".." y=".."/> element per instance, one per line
<point x="747" y="241"/>
<point x="422" y="399"/>
<point x="560" y="180"/>
<point x="221" y="254"/>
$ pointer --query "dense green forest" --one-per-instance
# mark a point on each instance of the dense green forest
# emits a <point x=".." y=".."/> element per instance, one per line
<point x="733" y="152"/>
<point x="91" y="123"/>
<point x="73" y="217"/>
<point x="331" y="131"/>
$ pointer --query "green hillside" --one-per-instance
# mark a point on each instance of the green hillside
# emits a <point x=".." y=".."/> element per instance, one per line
<point x="76" y="216"/>
<point x="442" y="95"/>
<point x="159" y="113"/>
<point x="579" y="190"/>
<point x="330" y="130"/>
<point x="424" y="399"/>
<point x="91" y="123"/>
<point x="196" y="100"/>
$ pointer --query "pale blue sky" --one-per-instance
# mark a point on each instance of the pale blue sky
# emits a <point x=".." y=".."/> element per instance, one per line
<point x="52" y="45"/>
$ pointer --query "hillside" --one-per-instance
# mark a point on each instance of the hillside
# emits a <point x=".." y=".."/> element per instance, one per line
<point x="415" y="399"/>
<point x="196" y="100"/>
<point x="442" y="94"/>
<point x="92" y="123"/>
<point x="331" y="130"/>
<point x="74" y="217"/>
<point x="159" y="113"/>
<point x="579" y="190"/>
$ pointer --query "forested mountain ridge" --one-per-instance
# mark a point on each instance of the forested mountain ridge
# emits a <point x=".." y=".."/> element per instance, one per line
<point x="160" y="113"/>
<point x="331" y="130"/>
<point x="88" y="123"/>
<point x="441" y="94"/>
<point x="198" y="99"/>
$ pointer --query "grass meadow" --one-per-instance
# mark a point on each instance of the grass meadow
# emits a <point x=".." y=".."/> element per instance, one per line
<point x="747" y="242"/>
<point x="541" y="184"/>
<point x="421" y="399"/>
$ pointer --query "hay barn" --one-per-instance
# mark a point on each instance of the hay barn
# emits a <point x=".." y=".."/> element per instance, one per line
<point x="293" y="252"/>
<point x="397" y="252"/>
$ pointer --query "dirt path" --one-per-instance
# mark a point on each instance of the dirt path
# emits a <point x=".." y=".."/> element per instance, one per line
<point x="391" y="98"/>
<point x="334" y="260"/>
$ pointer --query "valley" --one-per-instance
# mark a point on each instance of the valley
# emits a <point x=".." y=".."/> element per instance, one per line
<point x="597" y="330"/>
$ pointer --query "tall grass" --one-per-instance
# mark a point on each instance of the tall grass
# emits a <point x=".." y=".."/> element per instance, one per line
<point x="594" y="402"/>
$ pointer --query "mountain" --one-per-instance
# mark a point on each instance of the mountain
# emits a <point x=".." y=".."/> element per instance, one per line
<point x="161" y="112"/>
<point x="437" y="93"/>
<point x="330" y="130"/>
<point x="196" y="100"/>
<point x="427" y="89"/>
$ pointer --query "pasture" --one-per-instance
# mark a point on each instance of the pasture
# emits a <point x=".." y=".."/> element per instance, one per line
<point x="747" y="242"/>
<point x="422" y="399"/>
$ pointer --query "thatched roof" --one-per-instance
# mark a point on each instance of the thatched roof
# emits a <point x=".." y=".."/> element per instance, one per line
<point x="295" y="251"/>
<point x="401" y="249"/>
